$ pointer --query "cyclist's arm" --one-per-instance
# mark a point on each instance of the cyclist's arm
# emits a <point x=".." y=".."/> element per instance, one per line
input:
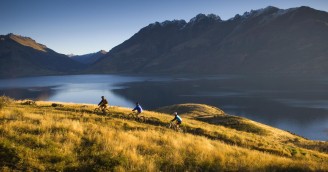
<point x="100" y="103"/>
<point x="174" y="119"/>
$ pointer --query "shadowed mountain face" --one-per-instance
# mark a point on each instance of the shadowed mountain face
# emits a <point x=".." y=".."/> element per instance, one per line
<point x="89" y="58"/>
<point x="22" y="56"/>
<point x="266" y="41"/>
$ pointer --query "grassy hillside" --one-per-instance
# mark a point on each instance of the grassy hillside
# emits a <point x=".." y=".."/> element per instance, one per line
<point x="72" y="137"/>
<point x="214" y="115"/>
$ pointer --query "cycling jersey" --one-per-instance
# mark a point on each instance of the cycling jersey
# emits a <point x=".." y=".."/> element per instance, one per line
<point x="138" y="108"/>
<point x="178" y="118"/>
<point x="103" y="102"/>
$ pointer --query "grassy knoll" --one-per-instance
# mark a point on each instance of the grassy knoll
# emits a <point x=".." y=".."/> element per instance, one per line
<point x="73" y="138"/>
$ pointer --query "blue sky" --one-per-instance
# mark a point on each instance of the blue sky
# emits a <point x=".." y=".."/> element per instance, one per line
<point x="80" y="26"/>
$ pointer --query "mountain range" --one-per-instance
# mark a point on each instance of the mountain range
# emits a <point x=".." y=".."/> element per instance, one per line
<point x="264" y="41"/>
<point x="23" y="56"/>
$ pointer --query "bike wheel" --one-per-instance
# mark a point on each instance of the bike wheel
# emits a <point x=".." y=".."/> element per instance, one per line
<point x="175" y="127"/>
<point x="97" y="110"/>
<point x="131" y="116"/>
<point x="102" y="112"/>
<point x="141" y="119"/>
<point x="106" y="111"/>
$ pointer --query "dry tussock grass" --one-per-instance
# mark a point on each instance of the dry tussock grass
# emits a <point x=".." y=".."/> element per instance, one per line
<point x="73" y="138"/>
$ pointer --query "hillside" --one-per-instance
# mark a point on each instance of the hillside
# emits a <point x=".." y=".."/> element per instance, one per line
<point x="213" y="115"/>
<point x="264" y="41"/>
<point x="89" y="58"/>
<point x="73" y="138"/>
<point x="23" y="56"/>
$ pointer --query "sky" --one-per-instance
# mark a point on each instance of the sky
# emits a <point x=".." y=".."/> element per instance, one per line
<point x="86" y="26"/>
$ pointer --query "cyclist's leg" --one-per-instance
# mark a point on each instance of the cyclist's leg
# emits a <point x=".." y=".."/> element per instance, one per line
<point x="103" y="108"/>
<point x="178" y="124"/>
<point x="137" y="115"/>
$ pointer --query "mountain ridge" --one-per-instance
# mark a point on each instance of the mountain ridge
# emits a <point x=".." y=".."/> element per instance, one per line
<point x="27" y="41"/>
<point x="269" y="41"/>
<point x="23" y="56"/>
<point x="265" y="41"/>
<point x="89" y="58"/>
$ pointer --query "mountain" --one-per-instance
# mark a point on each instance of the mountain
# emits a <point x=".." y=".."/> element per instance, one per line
<point x="23" y="56"/>
<point x="265" y="41"/>
<point x="89" y="58"/>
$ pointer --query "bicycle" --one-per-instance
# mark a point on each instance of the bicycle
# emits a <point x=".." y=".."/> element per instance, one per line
<point x="137" y="117"/>
<point x="101" y="110"/>
<point x="172" y="125"/>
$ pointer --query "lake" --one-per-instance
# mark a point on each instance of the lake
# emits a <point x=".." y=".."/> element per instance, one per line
<point x="296" y="104"/>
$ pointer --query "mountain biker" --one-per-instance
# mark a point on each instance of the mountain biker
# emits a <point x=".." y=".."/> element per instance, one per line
<point x="103" y="103"/>
<point x="138" y="108"/>
<point x="177" y="118"/>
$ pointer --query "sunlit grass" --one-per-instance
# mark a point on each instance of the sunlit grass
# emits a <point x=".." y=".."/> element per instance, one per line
<point x="72" y="138"/>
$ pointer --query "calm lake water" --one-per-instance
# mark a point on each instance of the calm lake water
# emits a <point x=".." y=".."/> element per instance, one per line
<point x="296" y="104"/>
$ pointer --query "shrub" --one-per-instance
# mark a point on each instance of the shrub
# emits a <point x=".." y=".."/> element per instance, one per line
<point x="5" y="101"/>
<point x="29" y="102"/>
<point x="57" y="105"/>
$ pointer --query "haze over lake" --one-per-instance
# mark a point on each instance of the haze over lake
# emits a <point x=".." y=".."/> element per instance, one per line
<point x="296" y="104"/>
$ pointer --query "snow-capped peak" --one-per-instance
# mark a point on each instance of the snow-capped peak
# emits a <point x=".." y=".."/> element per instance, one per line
<point x="102" y="52"/>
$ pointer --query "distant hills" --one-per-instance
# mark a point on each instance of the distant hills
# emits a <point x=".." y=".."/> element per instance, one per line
<point x="264" y="41"/>
<point x="89" y="58"/>
<point x="23" y="56"/>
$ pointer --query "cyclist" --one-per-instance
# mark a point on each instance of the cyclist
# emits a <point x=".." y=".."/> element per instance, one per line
<point x="103" y="104"/>
<point x="177" y="118"/>
<point x="138" y="108"/>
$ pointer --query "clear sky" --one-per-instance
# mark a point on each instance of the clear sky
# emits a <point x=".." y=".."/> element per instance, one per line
<point x="81" y="26"/>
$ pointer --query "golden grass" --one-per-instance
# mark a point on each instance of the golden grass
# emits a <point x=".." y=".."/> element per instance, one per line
<point x="213" y="115"/>
<point x="28" y="42"/>
<point x="191" y="110"/>
<point x="72" y="138"/>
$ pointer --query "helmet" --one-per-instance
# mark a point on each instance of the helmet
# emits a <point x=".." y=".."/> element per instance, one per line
<point x="175" y="113"/>
<point x="102" y="97"/>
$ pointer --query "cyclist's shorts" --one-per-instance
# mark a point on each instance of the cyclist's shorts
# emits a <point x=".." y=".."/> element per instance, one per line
<point x="179" y="122"/>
